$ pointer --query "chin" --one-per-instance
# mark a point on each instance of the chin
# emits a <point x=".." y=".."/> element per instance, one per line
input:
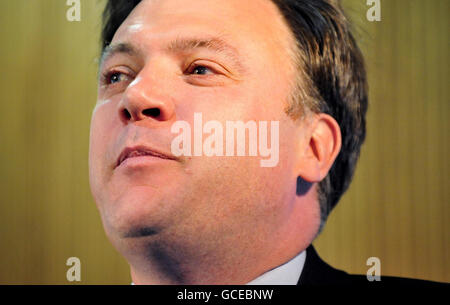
<point x="137" y="212"/>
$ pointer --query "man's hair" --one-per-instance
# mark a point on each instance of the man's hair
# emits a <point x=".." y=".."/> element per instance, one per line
<point x="332" y="78"/>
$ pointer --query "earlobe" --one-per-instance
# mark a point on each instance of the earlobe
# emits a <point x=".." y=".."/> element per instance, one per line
<point x="322" y="149"/>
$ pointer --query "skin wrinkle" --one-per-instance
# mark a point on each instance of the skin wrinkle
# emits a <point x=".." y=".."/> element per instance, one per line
<point x="181" y="46"/>
<point x="216" y="220"/>
<point x="217" y="44"/>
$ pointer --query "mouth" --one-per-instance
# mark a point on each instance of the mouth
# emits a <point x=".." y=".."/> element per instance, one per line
<point x="141" y="151"/>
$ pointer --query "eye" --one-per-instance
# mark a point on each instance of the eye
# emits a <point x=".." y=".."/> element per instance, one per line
<point x="200" y="70"/>
<point x="114" y="77"/>
<point x="205" y="73"/>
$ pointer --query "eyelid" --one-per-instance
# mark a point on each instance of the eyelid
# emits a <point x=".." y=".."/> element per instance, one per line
<point x="211" y="65"/>
<point x="116" y="69"/>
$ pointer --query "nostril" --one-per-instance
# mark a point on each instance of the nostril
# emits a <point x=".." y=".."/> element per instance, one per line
<point x="152" y="112"/>
<point x="126" y="114"/>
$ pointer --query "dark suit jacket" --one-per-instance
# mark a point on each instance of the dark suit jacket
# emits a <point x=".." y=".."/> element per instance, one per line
<point x="317" y="272"/>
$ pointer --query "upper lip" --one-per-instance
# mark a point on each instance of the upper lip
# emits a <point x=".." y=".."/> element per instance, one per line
<point x="141" y="150"/>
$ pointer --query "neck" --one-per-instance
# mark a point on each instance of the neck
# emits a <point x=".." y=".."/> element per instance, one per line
<point x="238" y="263"/>
<point x="196" y="266"/>
<point x="228" y="257"/>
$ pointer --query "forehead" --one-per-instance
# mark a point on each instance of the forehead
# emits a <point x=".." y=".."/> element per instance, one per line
<point x="250" y="25"/>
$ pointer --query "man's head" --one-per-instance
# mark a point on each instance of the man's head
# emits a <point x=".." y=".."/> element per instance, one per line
<point x="293" y="62"/>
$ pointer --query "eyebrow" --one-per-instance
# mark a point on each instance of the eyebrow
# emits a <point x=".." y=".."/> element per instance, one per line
<point x="180" y="45"/>
<point x="120" y="48"/>
<point x="215" y="44"/>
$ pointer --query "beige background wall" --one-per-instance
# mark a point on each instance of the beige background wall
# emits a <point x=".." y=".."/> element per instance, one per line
<point x="397" y="208"/>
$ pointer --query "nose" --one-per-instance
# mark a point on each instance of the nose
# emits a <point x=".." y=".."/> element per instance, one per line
<point x="145" y="100"/>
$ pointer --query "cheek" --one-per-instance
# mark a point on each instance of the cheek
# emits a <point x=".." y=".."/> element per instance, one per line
<point x="102" y="129"/>
<point x="213" y="103"/>
<point x="103" y="123"/>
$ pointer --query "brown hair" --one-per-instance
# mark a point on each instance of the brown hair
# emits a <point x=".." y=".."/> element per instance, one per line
<point x="333" y="81"/>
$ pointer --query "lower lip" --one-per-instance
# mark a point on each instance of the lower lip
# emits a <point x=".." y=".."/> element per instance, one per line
<point x="142" y="161"/>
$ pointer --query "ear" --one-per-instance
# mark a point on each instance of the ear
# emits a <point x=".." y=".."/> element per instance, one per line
<point x="321" y="148"/>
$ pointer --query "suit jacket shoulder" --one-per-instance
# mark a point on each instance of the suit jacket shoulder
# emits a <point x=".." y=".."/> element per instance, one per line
<point x="317" y="272"/>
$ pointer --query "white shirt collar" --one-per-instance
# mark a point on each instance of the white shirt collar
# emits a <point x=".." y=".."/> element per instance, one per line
<point x="286" y="274"/>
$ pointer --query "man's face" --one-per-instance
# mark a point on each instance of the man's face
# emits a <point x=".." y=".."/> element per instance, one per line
<point x="227" y="60"/>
